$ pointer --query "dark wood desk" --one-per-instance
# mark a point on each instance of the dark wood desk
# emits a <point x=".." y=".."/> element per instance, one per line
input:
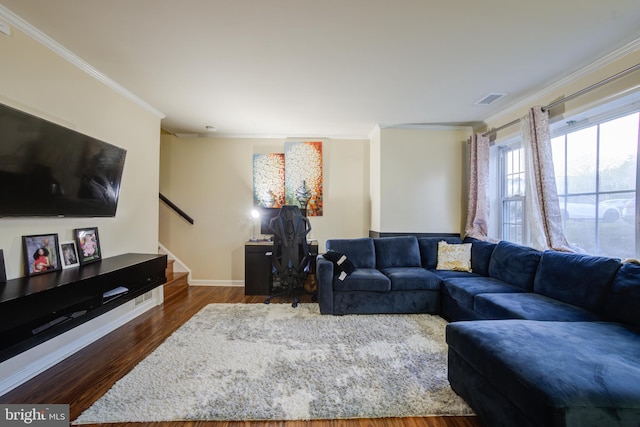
<point x="257" y="266"/>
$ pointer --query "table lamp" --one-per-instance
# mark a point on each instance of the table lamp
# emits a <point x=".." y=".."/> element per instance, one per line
<point x="255" y="214"/>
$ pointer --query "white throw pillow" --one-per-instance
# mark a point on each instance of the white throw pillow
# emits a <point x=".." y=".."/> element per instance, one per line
<point x="455" y="257"/>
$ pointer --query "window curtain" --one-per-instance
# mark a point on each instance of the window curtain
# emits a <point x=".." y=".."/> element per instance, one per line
<point x="478" y="209"/>
<point x="542" y="208"/>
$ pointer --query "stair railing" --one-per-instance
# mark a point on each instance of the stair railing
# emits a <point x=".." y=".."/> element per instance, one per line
<point x="173" y="206"/>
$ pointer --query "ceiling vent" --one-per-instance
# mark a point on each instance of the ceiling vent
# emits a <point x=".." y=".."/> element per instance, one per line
<point x="490" y="98"/>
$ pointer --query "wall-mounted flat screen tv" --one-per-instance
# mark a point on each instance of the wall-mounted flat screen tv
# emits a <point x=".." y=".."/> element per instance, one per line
<point x="49" y="170"/>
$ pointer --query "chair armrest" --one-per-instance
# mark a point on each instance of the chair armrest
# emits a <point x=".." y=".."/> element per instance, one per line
<point x="324" y="279"/>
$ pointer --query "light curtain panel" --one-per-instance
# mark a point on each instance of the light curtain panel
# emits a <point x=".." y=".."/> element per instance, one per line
<point x="303" y="175"/>
<point x="268" y="180"/>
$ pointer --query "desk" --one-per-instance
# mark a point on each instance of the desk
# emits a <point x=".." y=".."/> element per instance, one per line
<point x="257" y="266"/>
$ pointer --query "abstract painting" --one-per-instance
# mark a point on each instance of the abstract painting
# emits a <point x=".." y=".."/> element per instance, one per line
<point x="303" y="176"/>
<point x="268" y="180"/>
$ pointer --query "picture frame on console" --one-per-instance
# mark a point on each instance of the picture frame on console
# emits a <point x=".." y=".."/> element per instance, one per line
<point x="3" y="272"/>
<point x="88" y="245"/>
<point x="69" y="255"/>
<point x="41" y="254"/>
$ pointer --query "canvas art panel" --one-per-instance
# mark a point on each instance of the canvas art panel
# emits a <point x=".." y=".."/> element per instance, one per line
<point x="303" y="176"/>
<point x="268" y="180"/>
<point x="41" y="254"/>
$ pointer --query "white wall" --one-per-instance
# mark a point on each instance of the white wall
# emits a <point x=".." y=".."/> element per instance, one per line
<point x="421" y="179"/>
<point x="37" y="80"/>
<point x="211" y="179"/>
<point x="375" y="178"/>
<point x="608" y="66"/>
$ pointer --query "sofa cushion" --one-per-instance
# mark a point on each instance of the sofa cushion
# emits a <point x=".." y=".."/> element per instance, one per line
<point x="556" y="373"/>
<point x="361" y="251"/>
<point x="464" y="289"/>
<point x="576" y="279"/>
<point x="447" y="274"/>
<point x="514" y="264"/>
<point x="429" y="249"/>
<point x="529" y="306"/>
<point x="401" y="251"/>
<point x="623" y="300"/>
<point x="363" y="279"/>
<point x="456" y="256"/>
<point x="480" y="255"/>
<point x="412" y="278"/>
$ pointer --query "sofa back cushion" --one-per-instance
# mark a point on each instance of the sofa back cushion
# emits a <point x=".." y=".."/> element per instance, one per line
<point x="360" y="252"/>
<point x="429" y="249"/>
<point x="577" y="279"/>
<point x="623" y="299"/>
<point x="480" y="255"/>
<point x="514" y="264"/>
<point x="401" y="251"/>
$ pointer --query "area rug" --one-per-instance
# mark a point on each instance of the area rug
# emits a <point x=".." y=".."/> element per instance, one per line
<point x="275" y="362"/>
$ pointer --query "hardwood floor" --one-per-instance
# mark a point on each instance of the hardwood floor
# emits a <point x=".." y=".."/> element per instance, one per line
<point x="85" y="376"/>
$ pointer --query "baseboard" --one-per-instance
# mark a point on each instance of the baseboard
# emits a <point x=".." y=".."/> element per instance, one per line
<point x="234" y="283"/>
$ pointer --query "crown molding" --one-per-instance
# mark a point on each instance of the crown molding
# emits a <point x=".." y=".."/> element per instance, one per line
<point x="530" y="100"/>
<point x="31" y="31"/>
<point x="287" y="137"/>
<point x="420" y="126"/>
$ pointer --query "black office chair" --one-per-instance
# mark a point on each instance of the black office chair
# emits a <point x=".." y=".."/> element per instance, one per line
<point x="290" y="255"/>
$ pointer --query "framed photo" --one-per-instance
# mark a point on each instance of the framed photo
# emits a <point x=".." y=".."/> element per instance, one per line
<point x="69" y="254"/>
<point x="88" y="245"/>
<point x="41" y="254"/>
<point x="3" y="272"/>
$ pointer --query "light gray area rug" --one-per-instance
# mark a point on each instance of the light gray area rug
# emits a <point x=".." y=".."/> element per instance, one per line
<point x="275" y="362"/>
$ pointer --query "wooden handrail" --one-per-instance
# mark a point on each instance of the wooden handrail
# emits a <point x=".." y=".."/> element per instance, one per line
<point x="173" y="206"/>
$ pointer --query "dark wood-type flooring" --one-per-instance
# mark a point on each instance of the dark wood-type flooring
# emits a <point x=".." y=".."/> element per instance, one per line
<point x="85" y="376"/>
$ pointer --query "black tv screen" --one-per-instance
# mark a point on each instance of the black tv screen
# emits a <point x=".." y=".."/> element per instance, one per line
<point x="49" y="170"/>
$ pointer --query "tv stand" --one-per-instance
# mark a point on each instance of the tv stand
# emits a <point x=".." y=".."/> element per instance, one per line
<point x="37" y="308"/>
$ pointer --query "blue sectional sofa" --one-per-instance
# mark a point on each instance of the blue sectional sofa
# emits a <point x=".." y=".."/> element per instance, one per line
<point x="535" y="339"/>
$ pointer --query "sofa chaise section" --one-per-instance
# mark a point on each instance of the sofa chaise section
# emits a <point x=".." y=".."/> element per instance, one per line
<point x="549" y="372"/>
<point x="540" y="373"/>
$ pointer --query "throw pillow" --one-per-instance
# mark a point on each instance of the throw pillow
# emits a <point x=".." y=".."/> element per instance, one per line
<point x="455" y="257"/>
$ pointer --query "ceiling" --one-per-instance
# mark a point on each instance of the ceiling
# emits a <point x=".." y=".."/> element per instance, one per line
<point x="331" y="68"/>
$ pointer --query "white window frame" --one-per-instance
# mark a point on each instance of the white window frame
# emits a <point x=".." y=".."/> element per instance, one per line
<point x="507" y="199"/>
<point x="572" y="126"/>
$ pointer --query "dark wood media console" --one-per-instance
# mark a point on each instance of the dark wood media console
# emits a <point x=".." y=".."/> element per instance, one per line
<point x="37" y="308"/>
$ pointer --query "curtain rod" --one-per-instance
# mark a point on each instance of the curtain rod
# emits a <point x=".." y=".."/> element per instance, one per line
<point x="570" y="97"/>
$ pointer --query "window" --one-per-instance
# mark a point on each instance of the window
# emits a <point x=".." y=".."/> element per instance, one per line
<point x="595" y="170"/>
<point x="595" y="162"/>
<point x="512" y="193"/>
